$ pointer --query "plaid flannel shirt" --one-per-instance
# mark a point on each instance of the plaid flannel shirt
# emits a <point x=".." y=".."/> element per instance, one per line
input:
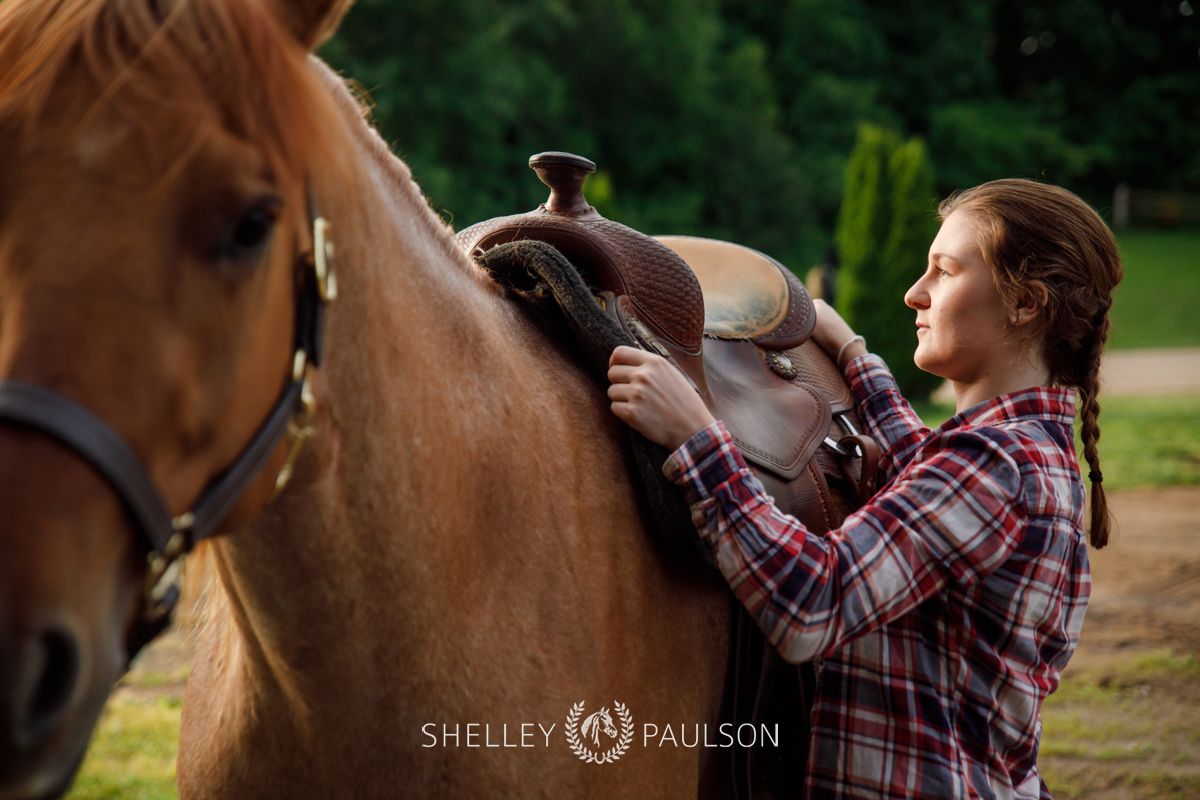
<point x="943" y="611"/>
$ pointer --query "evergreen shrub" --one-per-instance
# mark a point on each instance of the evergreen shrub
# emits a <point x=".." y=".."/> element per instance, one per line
<point x="886" y="224"/>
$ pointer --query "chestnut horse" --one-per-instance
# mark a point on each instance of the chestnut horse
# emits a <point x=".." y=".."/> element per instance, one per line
<point x="459" y="542"/>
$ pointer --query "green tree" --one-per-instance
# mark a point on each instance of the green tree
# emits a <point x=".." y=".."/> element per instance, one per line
<point x="678" y="112"/>
<point x="735" y="118"/>
<point x="884" y="230"/>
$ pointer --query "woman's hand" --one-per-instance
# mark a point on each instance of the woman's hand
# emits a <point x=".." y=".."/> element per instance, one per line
<point x="654" y="398"/>
<point x="831" y="332"/>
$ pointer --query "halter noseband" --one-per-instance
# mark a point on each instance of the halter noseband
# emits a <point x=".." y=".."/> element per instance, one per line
<point x="166" y="538"/>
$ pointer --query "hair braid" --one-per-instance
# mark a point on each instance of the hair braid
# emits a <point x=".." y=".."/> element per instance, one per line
<point x="1088" y="383"/>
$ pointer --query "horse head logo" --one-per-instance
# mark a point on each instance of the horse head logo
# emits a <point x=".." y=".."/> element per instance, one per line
<point x="593" y="725"/>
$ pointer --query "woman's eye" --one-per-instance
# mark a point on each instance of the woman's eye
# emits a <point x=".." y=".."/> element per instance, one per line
<point x="249" y="235"/>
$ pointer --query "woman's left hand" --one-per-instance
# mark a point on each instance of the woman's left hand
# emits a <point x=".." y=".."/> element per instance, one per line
<point x="831" y="332"/>
<point x="654" y="398"/>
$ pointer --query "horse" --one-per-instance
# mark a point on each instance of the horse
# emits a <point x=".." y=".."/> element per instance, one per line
<point x="459" y="541"/>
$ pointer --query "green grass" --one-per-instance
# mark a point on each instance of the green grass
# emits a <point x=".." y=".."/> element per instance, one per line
<point x="1144" y="441"/>
<point x="1136" y="717"/>
<point x="132" y="755"/>
<point x="1158" y="302"/>
<point x="1150" y="441"/>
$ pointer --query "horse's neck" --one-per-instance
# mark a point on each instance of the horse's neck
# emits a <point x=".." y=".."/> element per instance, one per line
<point x="429" y="382"/>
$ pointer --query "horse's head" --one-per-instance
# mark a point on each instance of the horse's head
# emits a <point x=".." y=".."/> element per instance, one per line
<point x="154" y="158"/>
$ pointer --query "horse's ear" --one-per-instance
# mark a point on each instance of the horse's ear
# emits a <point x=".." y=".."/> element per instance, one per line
<point x="312" y="22"/>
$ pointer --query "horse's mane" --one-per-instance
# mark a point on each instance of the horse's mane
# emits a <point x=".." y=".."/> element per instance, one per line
<point x="153" y="57"/>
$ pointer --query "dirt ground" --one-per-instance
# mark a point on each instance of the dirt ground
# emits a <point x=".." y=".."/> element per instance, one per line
<point x="1126" y="722"/>
<point x="1166" y="370"/>
<point x="1146" y="583"/>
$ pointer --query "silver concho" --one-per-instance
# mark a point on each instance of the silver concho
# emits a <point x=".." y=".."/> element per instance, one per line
<point x="781" y="365"/>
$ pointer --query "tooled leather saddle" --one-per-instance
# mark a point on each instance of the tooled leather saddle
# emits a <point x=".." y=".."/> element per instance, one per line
<point x="736" y="323"/>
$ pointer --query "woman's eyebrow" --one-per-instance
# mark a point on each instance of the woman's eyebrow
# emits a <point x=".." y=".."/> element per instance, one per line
<point x="943" y="257"/>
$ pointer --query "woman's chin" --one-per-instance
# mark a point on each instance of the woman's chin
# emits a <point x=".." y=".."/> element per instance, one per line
<point x="922" y="360"/>
<point x="925" y="363"/>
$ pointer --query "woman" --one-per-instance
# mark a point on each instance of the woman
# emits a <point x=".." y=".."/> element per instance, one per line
<point x="945" y="609"/>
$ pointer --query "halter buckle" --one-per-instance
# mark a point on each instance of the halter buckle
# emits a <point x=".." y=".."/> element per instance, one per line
<point x="299" y="431"/>
<point x="164" y="569"/>
<point x="322" y="260"/>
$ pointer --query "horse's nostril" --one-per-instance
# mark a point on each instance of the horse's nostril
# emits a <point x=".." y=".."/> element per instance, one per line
<point x="51" y="672"/>
<point x="58" y="677"/>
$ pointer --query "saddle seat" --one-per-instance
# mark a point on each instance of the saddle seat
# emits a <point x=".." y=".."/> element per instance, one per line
<point x="745" y="295"/>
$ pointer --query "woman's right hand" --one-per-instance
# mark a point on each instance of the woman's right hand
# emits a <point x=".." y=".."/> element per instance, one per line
<point x="654" y="398"/>
<point x="832" y="332"/>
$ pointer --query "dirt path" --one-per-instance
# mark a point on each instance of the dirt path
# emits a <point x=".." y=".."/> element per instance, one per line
<point x="1146" y="583"/>
<point x="1151" y="371"/>
<point x="1167" y="370"/>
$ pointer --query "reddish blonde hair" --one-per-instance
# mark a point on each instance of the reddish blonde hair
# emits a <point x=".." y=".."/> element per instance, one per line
<point x="1037" y="237"/>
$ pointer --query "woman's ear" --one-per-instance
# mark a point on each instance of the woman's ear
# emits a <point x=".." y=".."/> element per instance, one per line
<point x="1029" y="305"/>
<point x="312" y="22"/>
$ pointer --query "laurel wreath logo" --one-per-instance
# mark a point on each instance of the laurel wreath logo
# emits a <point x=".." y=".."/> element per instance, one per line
<point x="613" y="753"/>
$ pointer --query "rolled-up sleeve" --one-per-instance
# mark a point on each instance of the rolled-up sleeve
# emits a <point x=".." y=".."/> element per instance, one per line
<point x="955" y="515"/>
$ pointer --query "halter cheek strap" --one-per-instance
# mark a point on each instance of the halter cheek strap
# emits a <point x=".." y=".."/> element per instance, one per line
<point x="168" y="538"/>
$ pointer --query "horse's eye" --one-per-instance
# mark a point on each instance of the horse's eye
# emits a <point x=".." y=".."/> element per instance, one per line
<point x="248" y="237"/>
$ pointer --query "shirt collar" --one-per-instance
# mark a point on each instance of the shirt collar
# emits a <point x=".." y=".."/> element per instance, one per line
<point x="1042" y="403"/>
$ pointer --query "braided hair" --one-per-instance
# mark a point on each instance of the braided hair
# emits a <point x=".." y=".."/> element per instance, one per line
<point x="1046" y="245"/>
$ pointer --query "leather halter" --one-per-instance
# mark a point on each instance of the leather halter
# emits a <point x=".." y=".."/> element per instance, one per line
<point x="168" y="538"/>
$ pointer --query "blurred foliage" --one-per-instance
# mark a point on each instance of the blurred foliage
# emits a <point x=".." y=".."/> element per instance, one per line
<point x="886" y="224"/>
<point x="734" y="118"/>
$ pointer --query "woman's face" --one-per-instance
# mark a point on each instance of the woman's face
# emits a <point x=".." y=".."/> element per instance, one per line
<point x="963" y="330"/>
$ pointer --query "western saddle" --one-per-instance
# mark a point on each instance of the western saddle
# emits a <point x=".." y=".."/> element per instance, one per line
<point x="735" y="321"/>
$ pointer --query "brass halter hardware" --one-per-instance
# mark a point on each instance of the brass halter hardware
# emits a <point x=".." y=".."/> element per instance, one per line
<point x="299" y="431"/>
<point x="164" y="575"/>
<point x="322" y="259"/>
<point x="165" y="538"/>
<point x="301" y="428"/>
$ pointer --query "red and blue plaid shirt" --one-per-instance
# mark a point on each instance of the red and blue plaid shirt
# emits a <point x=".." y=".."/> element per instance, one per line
<point x="943" y="611"/>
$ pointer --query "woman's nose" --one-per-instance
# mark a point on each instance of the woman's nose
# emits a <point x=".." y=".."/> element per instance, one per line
<point x="916" y="297"/>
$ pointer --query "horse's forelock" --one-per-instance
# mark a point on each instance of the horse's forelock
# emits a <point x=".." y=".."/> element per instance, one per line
<point x="155" y="57"/>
